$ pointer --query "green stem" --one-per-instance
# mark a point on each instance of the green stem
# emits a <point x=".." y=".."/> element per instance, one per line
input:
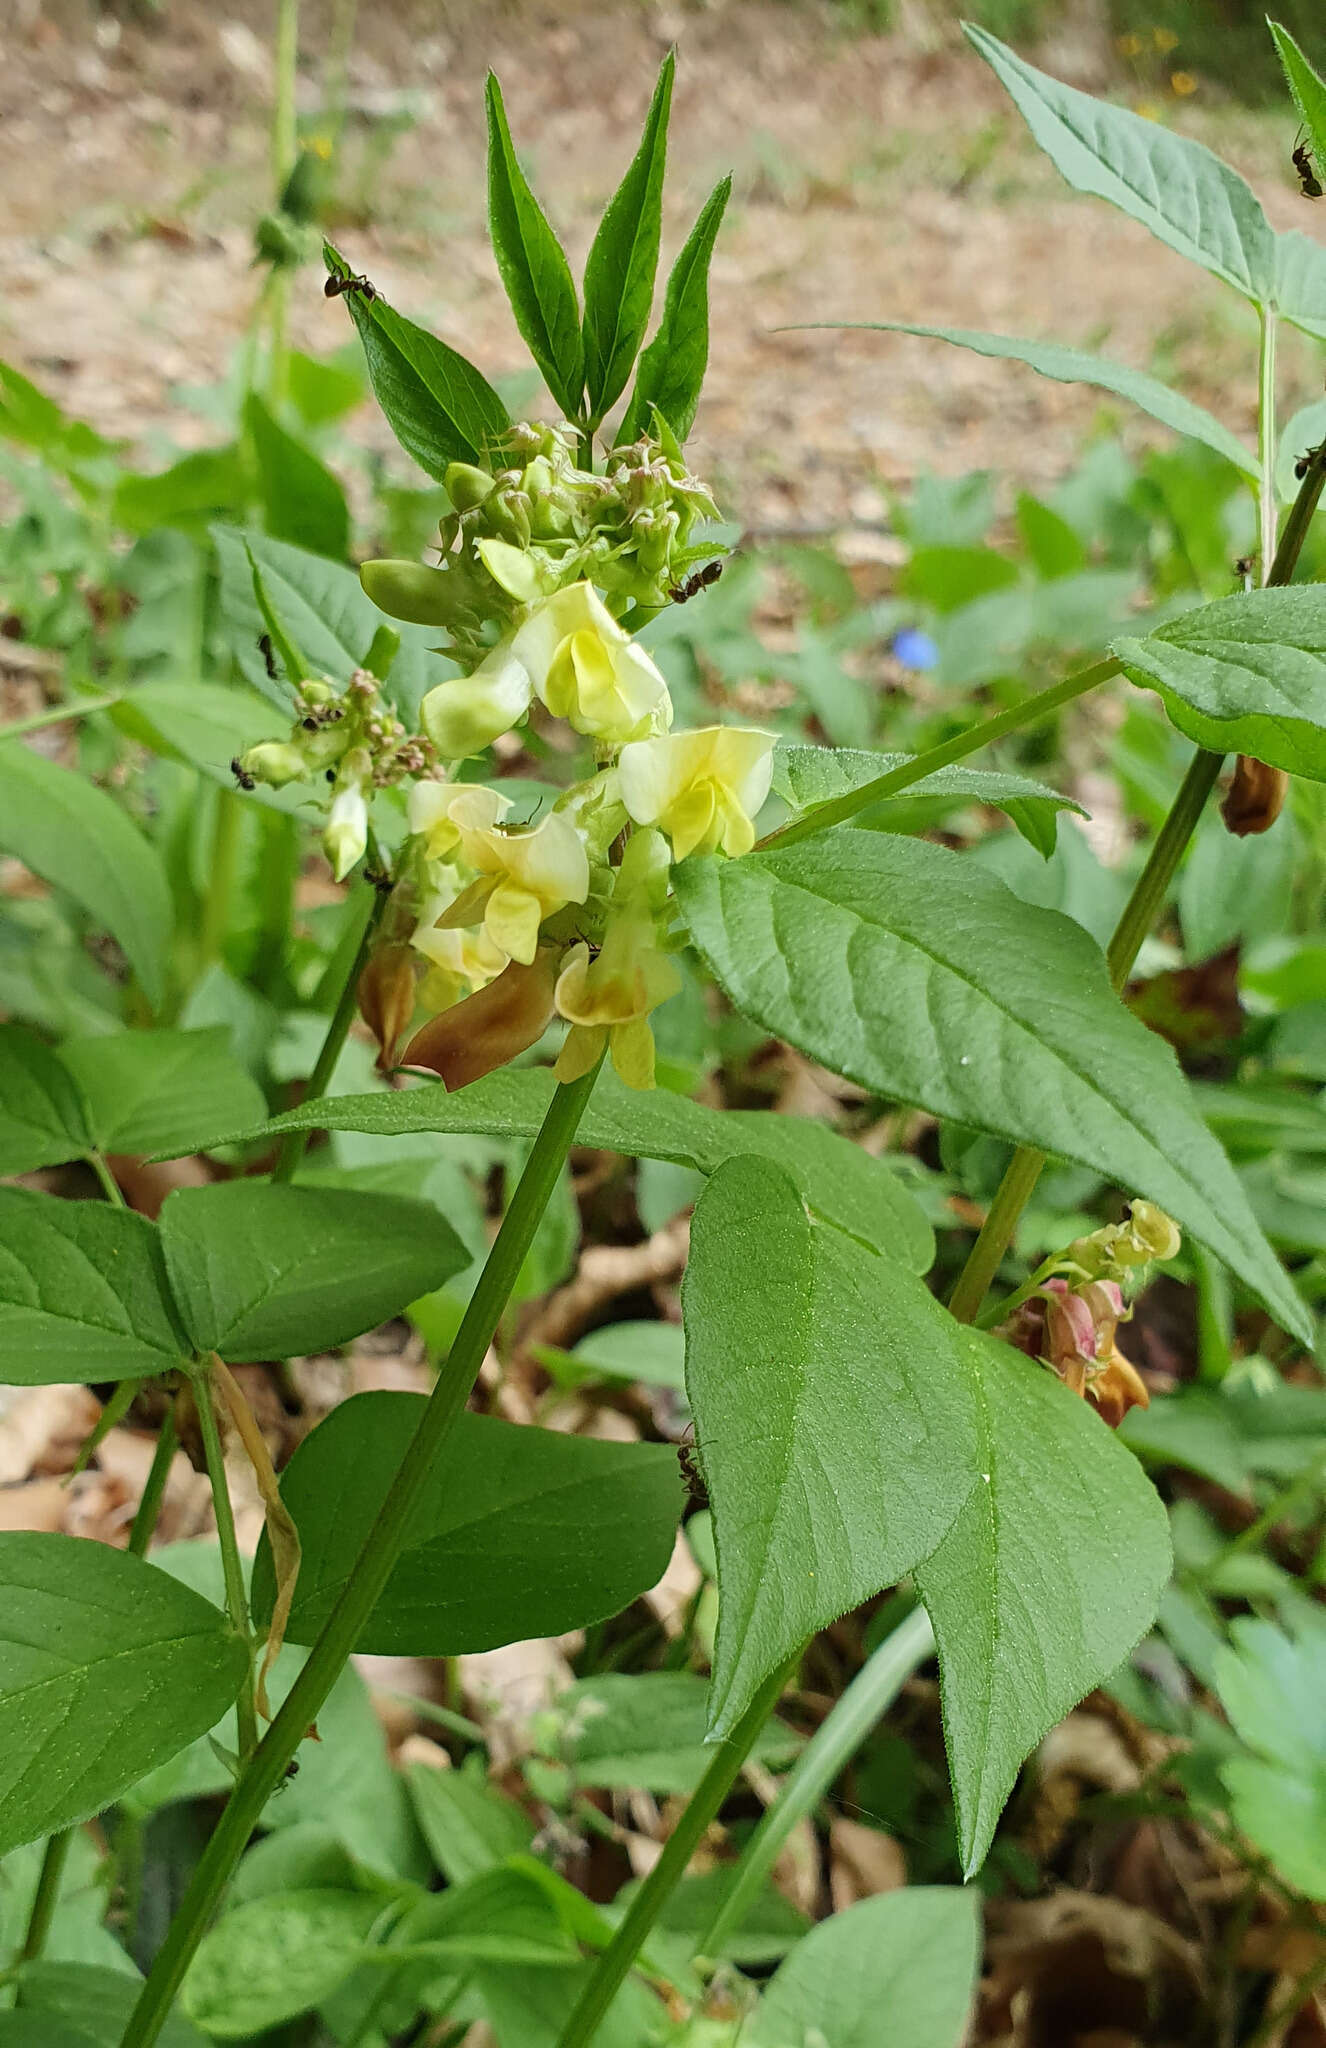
<point x="110" y="1187"/>
<point x="1139" y="914"/>
<point x="221" y="878"/>
<point x="295" y="1143"/>
<point x="149" y="1507"/>
<point x="834" y="1742"/>
<point x="701" y="1809"/>
<point x="57" y="714"/>
<point x="1267" y="505"/>
<point x="841" y="808"/>
<point x="1299" y="1491"/>
<point x="237" y="1602"/>
<point x="47" y="1895"/>
<point x="376" y="1561"/>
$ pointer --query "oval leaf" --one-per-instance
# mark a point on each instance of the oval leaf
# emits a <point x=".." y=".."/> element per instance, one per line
<point x="672" y="367"/>
<point x="913" y="971"/>
<point x="83" y="1294"/>
<point x="302" y="500"/>
<point x="43" y="1116"/>
<point x="149" y="1091"/>
<point x="1174" y="187"/>
<point x="839" y="1181"/>
<point x="271" y="1959"/>
<point x="1051" y="1573"/>
<point x="1245" y="675"/>
<point x="912" y="1955"/>
<point x="107" y="1667"/>
<point x="80" y="841"/>
<point x="522" y="1532"/>
<point x="806" y="776"/>
<point x="619" y="270"/>
<point x="95" y="2001"/>
<point x="268" y="1272"/>
<point x="833" y="1420"/>
<point x="533" y="267"/>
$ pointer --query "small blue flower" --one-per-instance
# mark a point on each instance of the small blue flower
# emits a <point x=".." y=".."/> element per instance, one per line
<point x="915" y="649"/>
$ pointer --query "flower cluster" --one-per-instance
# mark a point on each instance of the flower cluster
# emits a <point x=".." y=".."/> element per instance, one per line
<point x="496" y="923"/>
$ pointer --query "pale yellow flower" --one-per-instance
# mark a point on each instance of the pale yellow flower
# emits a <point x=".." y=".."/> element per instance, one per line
<point x="460" y="961"/>
<point x="608" y="998"/>
<point x="522" y="875"/>
<point x="466" y="714"/>
<point x="703" y="788"/>
<point x="345" y="834"/>
<point x="588" y="671"/>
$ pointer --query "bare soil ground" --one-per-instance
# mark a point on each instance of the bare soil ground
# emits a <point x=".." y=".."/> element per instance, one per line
<point x="877" y="176"/>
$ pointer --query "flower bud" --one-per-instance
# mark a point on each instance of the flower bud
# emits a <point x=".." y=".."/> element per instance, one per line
<point x="1254" y="798"/>
<point x="466" y="485"/>
<point x="489" y="1028"/>
<point x="274" y="762"/>
<point x="386" y="999"/>
<point x="467" y="713"/>
<point x="1155" y="1233"/>
<point x="410" y="591"/>
<point x="346" y="833"/>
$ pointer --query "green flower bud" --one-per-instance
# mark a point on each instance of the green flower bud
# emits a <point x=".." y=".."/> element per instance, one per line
<point x="274" y="762"/>
<point x="507" y="513"/>
<point x="410" y="591"/>
<point x="466" y="485"/>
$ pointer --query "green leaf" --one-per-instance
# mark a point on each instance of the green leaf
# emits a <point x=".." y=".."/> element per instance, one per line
<point x="619" y="271"/>
<point x="468" y="1825"/>
<point x="913" y="971"/>
<point x="439" y="407"/>
<point x="211" y="483"/>
<point x="805" y="776"/>
<point x="205" y="725"/>
<point x="107" y="1667"/>
<point x="1196" y="1429"/>
<point x="1075" y="366"/>
<point x="324" y="612"/>
<point x="532" y="265"/>
<point x="672" y="368"/>
<point x="646" y="1731"/>
<point x="80" y="841"/>
<point x="274" y="1958"/>
<point x="303" y="502"/>
<point x="1300" y="286"/>
<point x="43" y="1116"/>
<point x="912" y="1955"/>
<point x="1272" y="1687"/>
<point x="1051" y="1573"/>
<point x="83" y="1293"/>
<point x="28" y="416"/>
<point x="839" y="1180"/>
<point x="151" y="1091"/>
<point x="267" y="1272"/>
<point x="1308" y="89"/>
<point x="499" y="1916"/>
<point x="497" y="1550"/>
<point x="28" y="2030"/>
<point x="1245" y="675"/>
<point x="865" y="1442"/>
<point x="96" y="2002"/>
<point x="1186" y="196"/>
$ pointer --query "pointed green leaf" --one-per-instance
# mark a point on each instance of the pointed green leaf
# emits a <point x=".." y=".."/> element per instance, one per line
<point x="150" y="1090"/>
<point x="496" y="1551"/>
<point x="913" y="971"/>
<point x="107" y="1667"/>
<point x="263" y="1271"/>
<point x="1051" y="1573"/>
<point x="840" y="1181"/>
<point x="1245" y="675"/>
<point x="271" y="1959"/>
<point x="1309" y="91"/>
<point x="533" y="266"/>
<point x="911" y="1955"/>
<point x="1075" y="366"/>
<point x="806" y="776"/>
<point x="862" y="1452"/>
<point x="43" y="1117"/>
<point x="1300" y="281"/>
<point x="619" y="271"/>
<point x="82" y="842"/>
<point x="672" y="368"/>
<point x="440" y="408"/>
<point x="1186" y="196"/>
<point x="304" y="503"/>
<point x="83" y="1294"/>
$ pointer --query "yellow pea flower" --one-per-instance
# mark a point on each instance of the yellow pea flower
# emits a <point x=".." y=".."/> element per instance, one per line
<point x="467" y="713"/>
<point x="608" y="999"/>
<point x="702" y="788"/>
<point x="588" y="671"/>
<point x="522" y="875"/>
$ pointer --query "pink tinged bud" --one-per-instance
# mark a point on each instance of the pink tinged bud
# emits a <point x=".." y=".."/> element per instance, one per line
<point x="489" y="1028"/>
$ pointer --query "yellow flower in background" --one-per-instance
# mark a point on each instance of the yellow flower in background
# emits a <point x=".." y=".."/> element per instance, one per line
<point x="608" y="998"/>
<point x="521" y="875"/>
<point x="1183" y="83"/>
<point x="588" y="671"/>
<point x="1128" y="46"/>
<point x="704" y="789"/>
<point x="1165" y="40"/>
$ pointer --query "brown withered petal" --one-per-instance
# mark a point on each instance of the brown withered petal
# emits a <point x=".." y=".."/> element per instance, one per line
<point x="386" y="999"/>
<point x="1116" y="1388"/>
<point x="1255" y="797"/>
<point x="490" y="1027"/>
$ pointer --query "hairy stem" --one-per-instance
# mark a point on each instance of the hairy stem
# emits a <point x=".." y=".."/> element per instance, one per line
<point x="701" y="1809"/>
<point x="1267" y="503"/>
<point x="840" y="808"/>
<point x="295" y="1143"/>
<point x="149" y="1507"/>
<point x="221" y="877"/>
<point x="373" y="1567"/>
<point x="237" y="1602"/>
<point x="1139" y="914"/>
<point x="833" y="1744"/>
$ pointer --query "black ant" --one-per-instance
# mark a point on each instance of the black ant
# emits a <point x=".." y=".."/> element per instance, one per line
<point x="1305" y="462"/>
<point x="336" y="285"/>
<point x="690" y="1471"/>
<point x="1309" y="182"/>
<point x="682" y="593"/>
<point x="269" y="659"/>
<point x="245" y="781"/>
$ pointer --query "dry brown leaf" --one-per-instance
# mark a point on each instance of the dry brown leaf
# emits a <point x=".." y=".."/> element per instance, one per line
<point x="42" y="1429"/>
<point x="40" y="1504"/>
<point x="863" y="1861"/>
<point x="1069" y="1970"/>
